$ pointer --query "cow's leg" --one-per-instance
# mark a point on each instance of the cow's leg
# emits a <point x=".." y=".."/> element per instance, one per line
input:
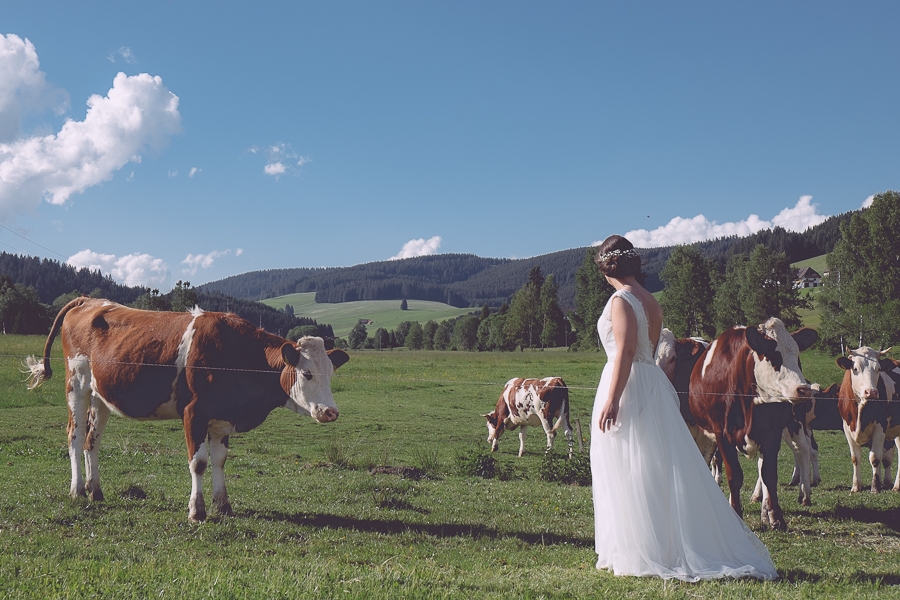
<point x="896" y="450"/>
<point x="799" y="443"/>
<point x="715" y="465"/>
<point x="218" y="450"/>
<point x="195" y="432"/>
<point x="815" y="477"/>
<point x="757" y="495"/>
<point x="78" y="399"/>
<point x="855" y="457"/>
<point x="733" y="473"/>
<point x="875" y="457"/>
<point x="522" y="431"/>
<point x="99" y="415"/>
<point x="563" y="421"/>
<point x="887" y="460"/>
<point x="771" y="513"/>
<point x="549" y="430"/>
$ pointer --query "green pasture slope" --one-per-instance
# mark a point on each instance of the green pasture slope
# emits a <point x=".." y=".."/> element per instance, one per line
<point x="385" y="313"/>
<point x="313" y="520"/>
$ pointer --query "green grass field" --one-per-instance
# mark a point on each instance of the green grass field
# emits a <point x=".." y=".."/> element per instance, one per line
<point x="313" y="520"/>
<point x="385" y="313"/>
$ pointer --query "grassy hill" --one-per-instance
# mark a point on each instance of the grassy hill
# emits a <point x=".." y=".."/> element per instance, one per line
<point x="384" y="313"/>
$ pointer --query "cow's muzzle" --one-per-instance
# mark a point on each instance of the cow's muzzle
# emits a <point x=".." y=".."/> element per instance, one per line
<point x="325" y="415"/>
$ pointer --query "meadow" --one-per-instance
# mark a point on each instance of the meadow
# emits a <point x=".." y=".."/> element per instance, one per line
<point x="384" y="313"/>
<point x="317" y="514"/>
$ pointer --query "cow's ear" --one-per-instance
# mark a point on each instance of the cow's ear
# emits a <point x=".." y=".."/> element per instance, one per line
<point x="758" y="342"/>
<point x="805" y="337"/>
<point x="338" y="357"/>
<point x="844" y="363"/>
<point x="290" y="354"/>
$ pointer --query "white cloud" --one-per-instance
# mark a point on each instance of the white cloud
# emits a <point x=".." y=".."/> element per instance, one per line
<point x="204" y="261"/>
<point x="173" y="173"/>
<point x="281" y="160"/>
<point x="275" y="168"/>
<point x="419" y="247"/>
<point x="124" y="53"/>
<point x="133" y="269"/>
<point x="23" y="86"/>
<point x="194" y="171"/>
<point x="137" y="113"/>
<point x="239" y="251"/>
<point x="868" y="201"/>
<point x="697" y="229"/>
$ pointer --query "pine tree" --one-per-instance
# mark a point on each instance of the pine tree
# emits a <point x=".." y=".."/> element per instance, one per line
<point x="553" y="326"/>
<point x="860" y="298"/>
<point x="591" y="294"/>
<point x="688" y="299"/>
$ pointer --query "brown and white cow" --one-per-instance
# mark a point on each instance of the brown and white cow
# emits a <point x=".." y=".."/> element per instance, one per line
<point x="216" y="372"/>
<point x="531" y="402"/>
<point x="863" y="401"/>
<point x="742" y="393"/>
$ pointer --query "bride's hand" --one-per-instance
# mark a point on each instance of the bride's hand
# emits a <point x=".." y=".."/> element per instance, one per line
<point x="608" y="416"/>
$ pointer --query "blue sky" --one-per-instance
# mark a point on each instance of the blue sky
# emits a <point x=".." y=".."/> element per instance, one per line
<point x="161" y="141"/>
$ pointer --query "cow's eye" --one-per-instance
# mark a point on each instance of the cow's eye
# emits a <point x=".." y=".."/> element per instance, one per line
<point x="306" y="374"/>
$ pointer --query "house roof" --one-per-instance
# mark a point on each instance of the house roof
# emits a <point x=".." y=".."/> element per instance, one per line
<point x="807" y="273"/>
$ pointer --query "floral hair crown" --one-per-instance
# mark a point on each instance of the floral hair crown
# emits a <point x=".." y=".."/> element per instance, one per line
<point x="613" y="253"/>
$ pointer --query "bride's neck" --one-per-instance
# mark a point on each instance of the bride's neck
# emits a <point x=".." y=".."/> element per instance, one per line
<point x="628" y="282"/>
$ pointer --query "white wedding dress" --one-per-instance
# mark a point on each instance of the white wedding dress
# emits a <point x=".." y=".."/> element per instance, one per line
<point x="657" y="509"/>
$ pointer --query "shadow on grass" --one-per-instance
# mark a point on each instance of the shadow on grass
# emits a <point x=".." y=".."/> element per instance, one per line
<point x="797" y="576"/>
<point x="889" y="517"/>
<point x="440" y="530"/>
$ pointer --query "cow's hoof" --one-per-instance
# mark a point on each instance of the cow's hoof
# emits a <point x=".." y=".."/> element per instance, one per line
<point x="225" y="509"/>
<point x="197" y="517"/>
<point x="779" y="525"/>
<point x="854" y="489"/>
<point x="804" y="501"/>
<point x="96" y="495"/>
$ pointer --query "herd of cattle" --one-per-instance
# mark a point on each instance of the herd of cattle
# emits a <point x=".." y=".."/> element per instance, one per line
<point x="742" y="393"/>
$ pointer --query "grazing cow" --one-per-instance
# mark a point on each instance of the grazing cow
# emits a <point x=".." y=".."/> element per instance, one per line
<point x="216" y="372"/>
<point x="742" y="393"/>
<point x="531" y="402"/>
<point x="863" y="401"/>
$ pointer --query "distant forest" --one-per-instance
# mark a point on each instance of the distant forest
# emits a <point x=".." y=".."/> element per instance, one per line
<point x="466" y="280"/>
<point x="53" y="280"/>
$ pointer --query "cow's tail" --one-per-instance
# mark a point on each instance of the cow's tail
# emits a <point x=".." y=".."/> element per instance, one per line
<point x="40" y="371"/>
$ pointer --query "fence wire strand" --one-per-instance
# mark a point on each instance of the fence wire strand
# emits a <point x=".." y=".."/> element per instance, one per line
<point x="378" y="379"/>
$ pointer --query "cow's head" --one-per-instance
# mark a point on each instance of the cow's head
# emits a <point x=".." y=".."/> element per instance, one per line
<point x="777" y="370"/>
<point x="306" y="377"/>
<point x="495" y="426"/>
<point x="666" y="356"/>
<point x="864" y="366"/>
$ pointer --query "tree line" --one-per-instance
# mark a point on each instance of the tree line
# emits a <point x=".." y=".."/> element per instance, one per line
<point x="465" y="280"/>
<point x="532" y="319"/>
<point x="22" y="310"/>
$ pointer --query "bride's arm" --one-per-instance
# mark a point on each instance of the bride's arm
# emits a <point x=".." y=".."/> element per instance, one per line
<point x="624" y="327"/>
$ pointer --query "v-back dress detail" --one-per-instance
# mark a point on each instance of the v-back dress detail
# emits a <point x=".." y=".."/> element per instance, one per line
<point x="657" y="510"/>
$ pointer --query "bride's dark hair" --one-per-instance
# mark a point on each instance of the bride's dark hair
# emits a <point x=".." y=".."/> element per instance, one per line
<point x="617" y="258"/>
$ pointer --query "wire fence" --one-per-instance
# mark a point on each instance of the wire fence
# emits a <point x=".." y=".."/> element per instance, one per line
<point x="380" y="379"/>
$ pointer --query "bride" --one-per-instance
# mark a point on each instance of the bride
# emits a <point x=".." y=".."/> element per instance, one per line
<point x="657" y="509"/>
